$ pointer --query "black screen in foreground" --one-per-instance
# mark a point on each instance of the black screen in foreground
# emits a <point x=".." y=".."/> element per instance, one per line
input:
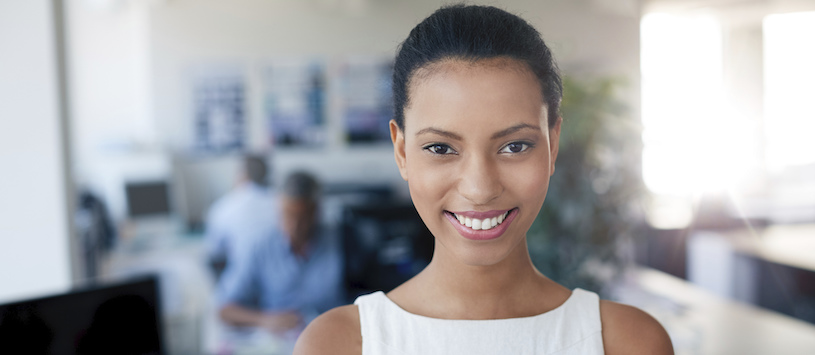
<point x="116" y="319"/>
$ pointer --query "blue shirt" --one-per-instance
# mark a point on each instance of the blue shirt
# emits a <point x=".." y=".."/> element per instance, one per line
<point x="247" y="213"/>
<point x="269" y="276"/>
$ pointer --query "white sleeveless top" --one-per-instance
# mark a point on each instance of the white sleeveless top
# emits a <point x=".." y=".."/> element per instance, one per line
<point x="572" y="328"/>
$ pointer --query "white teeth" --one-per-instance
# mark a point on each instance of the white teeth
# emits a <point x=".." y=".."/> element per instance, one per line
<point x="477" y="224"/>
<point x="481" y="224"/>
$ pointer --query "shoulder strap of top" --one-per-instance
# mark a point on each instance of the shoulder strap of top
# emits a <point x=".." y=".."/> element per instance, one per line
<point x="372" y="308"/>
<point x="585" y="308"/>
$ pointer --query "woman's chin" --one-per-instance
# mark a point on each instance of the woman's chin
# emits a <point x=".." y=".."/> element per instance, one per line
<point x="481" y="255"/>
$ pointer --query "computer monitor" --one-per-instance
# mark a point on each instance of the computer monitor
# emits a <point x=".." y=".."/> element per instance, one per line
<point x="200" y="180"/>
<point x="147" y="198"/>
<point x="122" y="318"/>
<point x="384" y="243"/>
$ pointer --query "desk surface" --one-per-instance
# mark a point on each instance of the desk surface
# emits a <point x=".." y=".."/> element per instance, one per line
<point x="792" y="245"/>
<point x="187" y="292"/>
<point x="701" y="323"/>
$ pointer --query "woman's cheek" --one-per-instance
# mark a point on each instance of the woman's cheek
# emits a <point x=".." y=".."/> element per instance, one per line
<point x="530" y="178"/>
<point x="427" y="178"/>
<point x="429" y="183"/>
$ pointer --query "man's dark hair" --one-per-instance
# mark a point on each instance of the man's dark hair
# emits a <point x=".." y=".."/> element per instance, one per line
<point x="473" y="33"/>
<point x="255" y="168"/>
<point x="302" y="186"/>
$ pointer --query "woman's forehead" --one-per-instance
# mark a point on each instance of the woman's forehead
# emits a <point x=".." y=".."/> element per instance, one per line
<point x="442" y="67"/>
<point x="497" y="91"/>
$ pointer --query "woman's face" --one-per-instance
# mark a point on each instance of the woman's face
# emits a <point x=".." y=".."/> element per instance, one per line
<point x="477" y="154"/>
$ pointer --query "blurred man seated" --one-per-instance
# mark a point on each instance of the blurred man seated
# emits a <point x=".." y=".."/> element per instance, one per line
<point x="247" y="211"/>
<point x="284" y="281"/>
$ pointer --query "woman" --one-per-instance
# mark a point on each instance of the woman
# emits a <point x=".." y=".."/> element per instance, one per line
<point x="475" y="135"/>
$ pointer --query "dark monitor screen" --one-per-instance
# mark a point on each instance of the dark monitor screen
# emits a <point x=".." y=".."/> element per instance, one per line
<point x="384" y="244"/>
<point x="114" y="319"/>
<point x="147" y="198"/>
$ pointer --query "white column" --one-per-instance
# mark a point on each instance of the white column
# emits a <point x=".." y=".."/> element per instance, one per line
<point x="34" y="200"/>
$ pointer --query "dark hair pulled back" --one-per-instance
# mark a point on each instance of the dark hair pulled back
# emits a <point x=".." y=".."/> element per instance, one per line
<point x="474" y="33"/>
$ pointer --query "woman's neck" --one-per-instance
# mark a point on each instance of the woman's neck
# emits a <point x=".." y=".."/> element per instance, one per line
<point x="450" y="289"/>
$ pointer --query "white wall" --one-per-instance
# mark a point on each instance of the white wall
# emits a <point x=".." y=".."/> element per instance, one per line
<point x="108" y="61"/>
<point x="34" y="238"/>
<point x="586" y="37"/>
<point x="112" y="125"/>
<point x="170" y="38"/>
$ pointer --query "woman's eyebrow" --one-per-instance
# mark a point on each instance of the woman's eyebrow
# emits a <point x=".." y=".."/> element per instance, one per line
<point x="514" y="129"/>
<point x="497" y="135"/>
<point x="440" y="132"/>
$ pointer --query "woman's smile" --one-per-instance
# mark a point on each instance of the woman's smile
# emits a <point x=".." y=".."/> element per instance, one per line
<point x="480" y="220"/>
<point x="481" y="225"/>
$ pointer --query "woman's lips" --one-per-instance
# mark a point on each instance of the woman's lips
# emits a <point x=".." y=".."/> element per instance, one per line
<point x="481" y="225"/>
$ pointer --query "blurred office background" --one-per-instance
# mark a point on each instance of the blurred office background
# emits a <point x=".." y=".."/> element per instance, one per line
<point x="121" y="121"/>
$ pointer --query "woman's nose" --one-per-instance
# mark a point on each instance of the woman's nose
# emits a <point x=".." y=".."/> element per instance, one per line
<point x="480" y="181"/>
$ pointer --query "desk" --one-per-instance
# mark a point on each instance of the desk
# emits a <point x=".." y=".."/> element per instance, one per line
<point x="187" y="289"/>
<point x="772" y="267"/>
<point x="184" y="283"/>
<point x="222" y="339"/>
<point x="791" y="245"/>
<point x="700" y="323"/>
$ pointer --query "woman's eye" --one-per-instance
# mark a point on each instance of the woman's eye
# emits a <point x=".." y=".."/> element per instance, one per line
<point x="515" y="147"/>
<point x="440" y="149"/>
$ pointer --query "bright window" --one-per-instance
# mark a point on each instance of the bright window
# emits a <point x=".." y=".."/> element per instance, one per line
<point x="694" y="142"/>
<point x="700" y="137"/>
<point x="689" y="142"/>
<point x="789" y="89"/>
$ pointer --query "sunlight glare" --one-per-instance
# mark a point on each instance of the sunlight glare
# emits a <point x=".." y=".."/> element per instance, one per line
<point x="693" y="142"/>
<point x="789" y="75"/>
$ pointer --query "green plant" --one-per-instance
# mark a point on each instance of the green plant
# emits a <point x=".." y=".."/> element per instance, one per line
<point x="590" y="206"/>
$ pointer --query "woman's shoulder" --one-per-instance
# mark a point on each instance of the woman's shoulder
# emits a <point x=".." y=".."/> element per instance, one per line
<point x="333" y="332"/>
<point x="629" y="330"/>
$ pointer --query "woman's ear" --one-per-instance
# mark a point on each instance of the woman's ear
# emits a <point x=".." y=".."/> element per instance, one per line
<point x="398" y="139"/>
<point x="554" y="143"/>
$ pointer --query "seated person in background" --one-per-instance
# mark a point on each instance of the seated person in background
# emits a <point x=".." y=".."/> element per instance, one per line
<point x="284" y="281"/>
<point x="249" y="207"/>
